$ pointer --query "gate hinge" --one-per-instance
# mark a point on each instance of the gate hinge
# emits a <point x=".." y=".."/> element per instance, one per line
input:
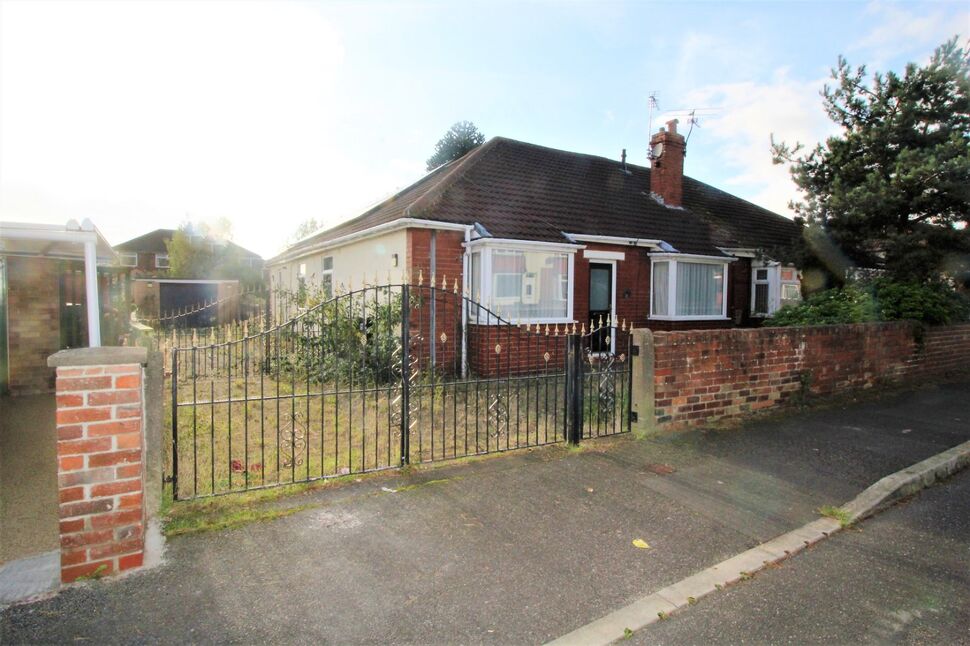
<point x="168" y="479"/>
<point x="635" y="351"/>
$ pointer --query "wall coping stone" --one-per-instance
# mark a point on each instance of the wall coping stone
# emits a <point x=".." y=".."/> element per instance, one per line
<point x="104" y="356"/>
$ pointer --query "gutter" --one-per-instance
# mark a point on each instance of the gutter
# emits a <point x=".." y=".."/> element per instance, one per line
<point x="616" y="240"/>
<point x="387" y="227"/>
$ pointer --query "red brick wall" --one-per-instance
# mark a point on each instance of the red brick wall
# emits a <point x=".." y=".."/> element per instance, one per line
<point x="33" y="322"/>
<point x="100" y="474"/>
<point x="507" y="350"/>
<point x="448" y="255"/>
<point x="702" y="376"/>
<point x="739" y="291"/>
<point x="632" y="284"/>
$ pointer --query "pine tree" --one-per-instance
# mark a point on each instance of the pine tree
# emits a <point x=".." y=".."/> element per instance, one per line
<point x="460" y="139"/>
<point x="891" y="191"/>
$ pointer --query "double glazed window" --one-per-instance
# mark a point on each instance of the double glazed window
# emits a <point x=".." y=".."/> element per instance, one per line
<point x="772" y="287"/>
<point x="761" y="302"/>
<point x="326" y="276"/>
<point x="688" y="289"/>
<point x="522" y="285"/>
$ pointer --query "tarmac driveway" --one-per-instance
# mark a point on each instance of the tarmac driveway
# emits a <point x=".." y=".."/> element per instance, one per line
<point x="515" y="549"/>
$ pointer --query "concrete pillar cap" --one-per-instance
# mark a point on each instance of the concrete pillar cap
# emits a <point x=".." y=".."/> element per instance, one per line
<point x="103" y="356"/>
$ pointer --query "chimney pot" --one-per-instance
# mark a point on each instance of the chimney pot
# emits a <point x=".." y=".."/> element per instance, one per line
<point x="672" y="126"/>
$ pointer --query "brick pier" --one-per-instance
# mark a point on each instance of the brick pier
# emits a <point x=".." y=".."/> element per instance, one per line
<point x="100" y="453"/>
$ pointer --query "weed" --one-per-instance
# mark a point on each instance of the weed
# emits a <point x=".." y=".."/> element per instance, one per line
<point x="627" y="633"/>
<point x="691" y="601"/>
<point x="838" y="513"/>
<point x="225" y="520"/>
<point x="98" y="573"/>
<point x="427" y="483"/>
<point x="663" y="615"/>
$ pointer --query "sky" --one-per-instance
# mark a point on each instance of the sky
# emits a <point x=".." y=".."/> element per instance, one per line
<point x="141" y="115"/>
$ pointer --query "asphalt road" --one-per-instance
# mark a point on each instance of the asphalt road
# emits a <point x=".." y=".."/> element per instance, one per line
<point x="516" y="549"/>
<point x="902" y="577"/>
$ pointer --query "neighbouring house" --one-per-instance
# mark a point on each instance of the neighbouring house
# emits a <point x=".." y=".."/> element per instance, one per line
<point x="197" y="301"/>
<point x="540" y="235"/>
<point x="56" y="291"/>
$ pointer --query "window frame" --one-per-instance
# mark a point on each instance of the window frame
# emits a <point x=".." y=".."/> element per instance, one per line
<point x="485" y="248"/>
<point x="672" y="260"/>
<point x="767" y="280"/>
<point x="167" y="264"/>
<point x="127" y="254"/>
<point x="775" y="285"/>
<point x="791" y="284"/>
<point x="326" y="274"/>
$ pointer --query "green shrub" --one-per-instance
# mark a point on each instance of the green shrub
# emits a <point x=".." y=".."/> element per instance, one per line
<point x="932" y="303"/>
<point x="343" y="338"/>
<point x="879" y="299"/>
<point x="848" y="304"/>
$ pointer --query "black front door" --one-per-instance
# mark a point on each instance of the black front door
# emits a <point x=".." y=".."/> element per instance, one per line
<point x="600" y="304"/>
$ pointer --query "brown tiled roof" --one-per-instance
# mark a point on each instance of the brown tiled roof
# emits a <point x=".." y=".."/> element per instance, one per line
<point x="527" y="192"/>
<point x="154" y="242"/>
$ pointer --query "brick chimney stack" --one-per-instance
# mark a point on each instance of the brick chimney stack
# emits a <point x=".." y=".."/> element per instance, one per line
<point x="667" y="150"/>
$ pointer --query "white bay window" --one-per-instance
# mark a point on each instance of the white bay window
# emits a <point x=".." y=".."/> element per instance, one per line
<point x="687" y="287"/>
<point x="522" y="283"/>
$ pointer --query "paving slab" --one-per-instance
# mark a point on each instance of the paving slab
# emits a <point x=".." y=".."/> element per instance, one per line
<point x="29" y="577"/>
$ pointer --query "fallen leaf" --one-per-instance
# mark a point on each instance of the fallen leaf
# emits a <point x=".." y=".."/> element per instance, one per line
<point x="388" y="490"/>
<point x="642" y="544"/>
<point x="589" y="489"/>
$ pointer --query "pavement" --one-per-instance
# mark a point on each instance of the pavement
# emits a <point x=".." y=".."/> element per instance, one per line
<point x="902" y="577"/>
<point x="28" y="477"/>
<point x="516" y="549"/>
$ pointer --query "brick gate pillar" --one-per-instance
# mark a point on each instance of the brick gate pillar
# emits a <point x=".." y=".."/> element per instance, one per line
<point x="100" y="459"/>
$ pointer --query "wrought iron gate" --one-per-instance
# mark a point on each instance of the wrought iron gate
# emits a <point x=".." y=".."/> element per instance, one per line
<point x="381" y="377"/>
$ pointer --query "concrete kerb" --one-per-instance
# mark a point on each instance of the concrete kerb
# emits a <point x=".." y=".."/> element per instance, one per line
<point x="657" y="606"/>
<point x="908" y="481"/>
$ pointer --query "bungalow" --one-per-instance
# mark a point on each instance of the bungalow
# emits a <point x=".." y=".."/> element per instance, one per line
<point x="547" y="236"/>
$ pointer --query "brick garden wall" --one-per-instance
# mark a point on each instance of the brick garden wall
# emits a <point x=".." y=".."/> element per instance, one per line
<point x="706" y="375"/>
<point x="100" y="448"/>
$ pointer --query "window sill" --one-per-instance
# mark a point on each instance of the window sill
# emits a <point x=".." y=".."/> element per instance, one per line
<point x="494" y="321"/>
<point x="689" y="318"/>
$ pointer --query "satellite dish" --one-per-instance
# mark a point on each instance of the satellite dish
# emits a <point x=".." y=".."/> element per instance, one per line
<point x="657" y="150"/>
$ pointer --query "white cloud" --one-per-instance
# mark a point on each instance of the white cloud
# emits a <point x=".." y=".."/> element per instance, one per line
<point x="897" y="31"/>
<point x="738" y="135"/>
<point x="135" y="114"/>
